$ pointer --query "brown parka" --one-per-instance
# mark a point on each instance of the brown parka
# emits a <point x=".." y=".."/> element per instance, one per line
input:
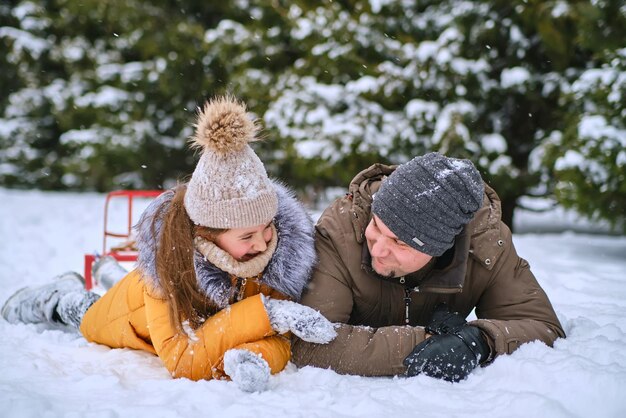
<point x="481" y="271"/>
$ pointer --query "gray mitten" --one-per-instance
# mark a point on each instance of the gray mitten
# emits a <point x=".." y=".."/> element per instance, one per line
<point x="248" y="370"/>
<point x="306" y="323"/>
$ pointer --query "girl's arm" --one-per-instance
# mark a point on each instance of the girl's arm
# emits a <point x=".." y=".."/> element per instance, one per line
<point x="198" y="354"/>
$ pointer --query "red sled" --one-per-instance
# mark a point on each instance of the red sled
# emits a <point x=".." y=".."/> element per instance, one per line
<point x="124" y="251"/>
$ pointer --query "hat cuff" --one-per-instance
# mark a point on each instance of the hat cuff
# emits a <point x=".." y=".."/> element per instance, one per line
<point x="233" y="213"/>
<point x="398" y="226"/>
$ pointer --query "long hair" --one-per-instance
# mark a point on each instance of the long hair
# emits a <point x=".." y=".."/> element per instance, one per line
<point x="175" y="266"/>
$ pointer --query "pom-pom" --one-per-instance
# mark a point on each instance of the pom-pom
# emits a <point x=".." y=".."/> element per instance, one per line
<point x="223" y="126"/>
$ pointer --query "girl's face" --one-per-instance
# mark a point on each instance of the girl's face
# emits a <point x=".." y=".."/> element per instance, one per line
<point x="244" y="244"/>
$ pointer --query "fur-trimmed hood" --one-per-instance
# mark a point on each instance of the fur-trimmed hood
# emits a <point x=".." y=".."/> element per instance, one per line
<point x="287" y="272"/>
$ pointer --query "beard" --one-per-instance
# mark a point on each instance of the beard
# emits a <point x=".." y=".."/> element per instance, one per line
<point x="386" y="274"/>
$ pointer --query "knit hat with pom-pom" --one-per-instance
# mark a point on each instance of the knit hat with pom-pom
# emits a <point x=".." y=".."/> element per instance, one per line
<point x="229" y="187"/>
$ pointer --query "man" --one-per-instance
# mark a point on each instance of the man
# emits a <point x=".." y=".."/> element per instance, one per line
<point x="403" y="247"/>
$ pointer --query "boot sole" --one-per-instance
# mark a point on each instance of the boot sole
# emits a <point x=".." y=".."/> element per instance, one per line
<point x="5" y="307"/>
<point x="70" y="274"/>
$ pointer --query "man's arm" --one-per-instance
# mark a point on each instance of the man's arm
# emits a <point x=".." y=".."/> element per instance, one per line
<point x="515" y="309"/>
<point x="518" y="311"/>
<point x="357" y="350"/>
<point x="361" y="350"/>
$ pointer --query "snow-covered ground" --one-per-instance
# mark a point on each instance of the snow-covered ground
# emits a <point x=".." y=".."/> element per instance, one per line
<point x="52" y="372"/>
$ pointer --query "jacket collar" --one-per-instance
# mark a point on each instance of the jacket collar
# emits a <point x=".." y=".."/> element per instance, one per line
<point x="361" y="190"/>
<point x="287" y="271"/>
<point x="486" y="245"/>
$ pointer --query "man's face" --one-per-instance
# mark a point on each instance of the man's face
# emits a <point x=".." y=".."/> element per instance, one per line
<point x="390" y="256"/>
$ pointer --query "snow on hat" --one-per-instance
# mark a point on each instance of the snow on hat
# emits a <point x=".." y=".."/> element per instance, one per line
<point x="229" y="187"/>
<point x="427" y="201"/>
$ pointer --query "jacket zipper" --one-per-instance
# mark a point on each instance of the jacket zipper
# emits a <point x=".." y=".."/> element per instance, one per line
<point x="407" y="304"/>
<point x="407" y="300"/>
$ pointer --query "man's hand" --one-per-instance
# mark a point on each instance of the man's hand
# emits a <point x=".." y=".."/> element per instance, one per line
<point x="443" y="321"/>
<point x="451" y="357"/>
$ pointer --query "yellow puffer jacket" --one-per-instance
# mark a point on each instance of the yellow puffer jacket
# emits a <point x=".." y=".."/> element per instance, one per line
<point x="133" y="315"/>
<point x="128" y="316"/>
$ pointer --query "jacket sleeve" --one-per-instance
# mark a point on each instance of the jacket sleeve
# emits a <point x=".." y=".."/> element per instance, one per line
<point x="357" y="350"/>
<point x="276" y="350"/>
<point x="514" y="309"/>
<point x="198" y="354"/>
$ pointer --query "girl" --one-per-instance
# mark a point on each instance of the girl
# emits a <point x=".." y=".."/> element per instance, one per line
<point x="218" y="257"/>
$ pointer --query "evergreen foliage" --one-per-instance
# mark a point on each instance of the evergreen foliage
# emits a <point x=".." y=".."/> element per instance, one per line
<point x="98" y="95"/>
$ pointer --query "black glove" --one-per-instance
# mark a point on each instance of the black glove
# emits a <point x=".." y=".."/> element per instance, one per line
<point x="443" y="321"/>
<point x="451" y="357"/>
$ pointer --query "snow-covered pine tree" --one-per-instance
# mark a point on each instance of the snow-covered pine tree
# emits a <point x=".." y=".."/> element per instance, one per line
<point x="485" y="80"/>
<point x="97" y="95"/>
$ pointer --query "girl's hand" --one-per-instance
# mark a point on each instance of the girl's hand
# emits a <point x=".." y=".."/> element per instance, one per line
<point x="304" y="322"/>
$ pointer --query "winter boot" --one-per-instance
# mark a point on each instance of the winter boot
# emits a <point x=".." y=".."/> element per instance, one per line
<point x="73" y="305"/>
<point x="107" y="271"/>
<point x="38" y="304"/>
<point x="306" y="323"/>
<point x="248" y="370"/>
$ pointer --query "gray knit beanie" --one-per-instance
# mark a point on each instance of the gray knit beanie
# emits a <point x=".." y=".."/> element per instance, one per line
<point x="427" y="201"/>
<point x="229" y="187"/>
